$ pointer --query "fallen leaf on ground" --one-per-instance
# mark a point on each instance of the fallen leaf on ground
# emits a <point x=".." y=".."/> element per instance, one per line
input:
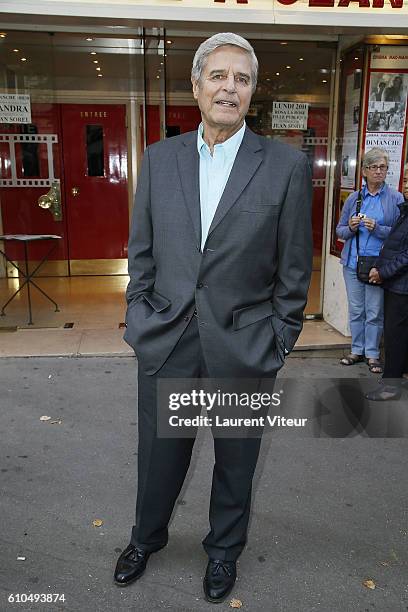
<point x="235" y="603"/>
<point x="55" y="422"/>
<point x="45" y="418"/>
<point x="369" y="584"/>
<point x="385" y="563"/>
<point x="97" y="523"/>
<point x="21" y="558"/>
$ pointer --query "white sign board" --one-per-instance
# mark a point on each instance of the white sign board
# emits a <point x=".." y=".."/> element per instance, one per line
<point x="390" y="58"/>
<point x="15" y="108"/>
<point x="290" y="115"/>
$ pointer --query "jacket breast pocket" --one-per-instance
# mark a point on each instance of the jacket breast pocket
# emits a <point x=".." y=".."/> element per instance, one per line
<point x="259" y="204"/>
<point x="261" y="209"/>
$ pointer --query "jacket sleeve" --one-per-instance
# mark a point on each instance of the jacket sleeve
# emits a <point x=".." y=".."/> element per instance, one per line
<point x="343" y="230"/>
<point x="398" y="265"/>
<point x="141" y="265"/>
<point x="295" y="254"/>
<point x="382" y="231"/>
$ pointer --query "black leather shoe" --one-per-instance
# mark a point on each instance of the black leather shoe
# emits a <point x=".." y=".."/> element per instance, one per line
<point x="131" y="565"/>
<point x="384" y="393"/>
<point x="219" y="579"/>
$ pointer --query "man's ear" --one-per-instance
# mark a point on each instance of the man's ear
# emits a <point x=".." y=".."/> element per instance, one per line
<point x="195" y="88"/>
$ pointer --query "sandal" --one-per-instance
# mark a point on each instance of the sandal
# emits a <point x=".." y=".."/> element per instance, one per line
<point x="351" y="359"/>
<point x="375" y="366"/>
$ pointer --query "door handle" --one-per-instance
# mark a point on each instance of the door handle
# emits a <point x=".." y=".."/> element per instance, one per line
<point x="52" y="201"/>
<point x="75" y="191"/>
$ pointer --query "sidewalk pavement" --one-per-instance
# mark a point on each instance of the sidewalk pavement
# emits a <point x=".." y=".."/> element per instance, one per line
<point x="87" y="340"/>
<point x="328" y="514"/>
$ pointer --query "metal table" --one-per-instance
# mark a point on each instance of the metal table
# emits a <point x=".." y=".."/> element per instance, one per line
<point x="28" y="276"/>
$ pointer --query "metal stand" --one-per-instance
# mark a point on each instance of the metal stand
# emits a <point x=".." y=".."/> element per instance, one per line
<point x="28" y="281"/>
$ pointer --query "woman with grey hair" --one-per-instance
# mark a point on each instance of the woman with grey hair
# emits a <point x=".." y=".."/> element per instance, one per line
<point x="371" y="221"/>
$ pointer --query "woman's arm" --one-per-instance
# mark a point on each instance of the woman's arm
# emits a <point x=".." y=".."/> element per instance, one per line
<point x="382" y="231"/>
<point x="343" y="230"/>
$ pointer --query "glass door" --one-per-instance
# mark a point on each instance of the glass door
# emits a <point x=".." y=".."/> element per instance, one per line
<point x="30" y="141"/>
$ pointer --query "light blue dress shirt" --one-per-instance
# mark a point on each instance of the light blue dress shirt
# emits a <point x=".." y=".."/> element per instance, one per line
<point x="214" y="172"/>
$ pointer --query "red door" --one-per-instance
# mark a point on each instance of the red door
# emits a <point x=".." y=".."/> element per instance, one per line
<point x="30" y="162"/>
<point x="95" y="184"/>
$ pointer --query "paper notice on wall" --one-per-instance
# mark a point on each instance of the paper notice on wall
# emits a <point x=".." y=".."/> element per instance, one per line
<point x="349" y="162"/>
<point x="392" y="143"/>
<point x="351" y="127"/>
<point x="15" y="108"/>
<point x="352" y="102"/>
<point x="290" y="115"/>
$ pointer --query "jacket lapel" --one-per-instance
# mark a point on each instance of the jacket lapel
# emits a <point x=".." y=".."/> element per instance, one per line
<point x="188" y="168"/>
<point x="247" y="161"/>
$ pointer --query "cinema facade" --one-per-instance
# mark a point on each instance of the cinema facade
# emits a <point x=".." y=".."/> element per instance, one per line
<point x="85" y="87"/>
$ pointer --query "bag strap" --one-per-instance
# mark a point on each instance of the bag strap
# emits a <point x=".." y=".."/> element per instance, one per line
<point x="358" y="208"/>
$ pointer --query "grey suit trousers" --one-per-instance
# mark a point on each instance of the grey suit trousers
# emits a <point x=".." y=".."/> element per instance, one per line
<point x="163" y="465"/>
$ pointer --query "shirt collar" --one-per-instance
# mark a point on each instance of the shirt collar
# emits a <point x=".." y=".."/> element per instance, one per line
<point x="230" y="146"/>
<point x="366" y="192"/>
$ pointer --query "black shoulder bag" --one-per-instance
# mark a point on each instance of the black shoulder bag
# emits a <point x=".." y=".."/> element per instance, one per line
<point x="364" y="262"/>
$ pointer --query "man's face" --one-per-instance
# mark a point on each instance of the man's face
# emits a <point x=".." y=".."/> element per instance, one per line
<point x="224" y="90"/>
<point x="397" y="82"/>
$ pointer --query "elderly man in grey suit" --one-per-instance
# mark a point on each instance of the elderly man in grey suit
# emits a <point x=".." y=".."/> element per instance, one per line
<point x="220" y="256"/>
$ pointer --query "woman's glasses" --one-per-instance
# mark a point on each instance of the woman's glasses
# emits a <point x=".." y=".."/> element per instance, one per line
<point x="374" y="168"/>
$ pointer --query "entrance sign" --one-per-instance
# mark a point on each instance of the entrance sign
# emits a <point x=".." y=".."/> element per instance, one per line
<point x="290" y="115"/>
<point x="15" y="108"/>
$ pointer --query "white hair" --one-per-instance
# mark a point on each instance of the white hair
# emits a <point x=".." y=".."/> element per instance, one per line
<point x="374" y="155"/>
<point x="220" y="40"/>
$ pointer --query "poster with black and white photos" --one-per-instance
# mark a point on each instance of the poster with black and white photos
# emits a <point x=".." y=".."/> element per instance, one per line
<point x="387" y="102"/>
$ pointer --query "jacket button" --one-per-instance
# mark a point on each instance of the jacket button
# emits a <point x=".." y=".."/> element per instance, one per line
<point x="200" y="285"/>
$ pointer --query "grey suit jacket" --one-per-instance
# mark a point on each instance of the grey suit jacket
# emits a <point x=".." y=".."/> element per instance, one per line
<point x="250" y="284"/>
